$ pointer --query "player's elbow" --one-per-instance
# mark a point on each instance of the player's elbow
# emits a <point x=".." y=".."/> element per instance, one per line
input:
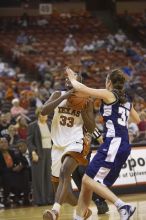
<point x="44" y="111"/>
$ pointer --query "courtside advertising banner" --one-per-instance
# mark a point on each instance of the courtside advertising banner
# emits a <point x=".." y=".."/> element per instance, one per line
<point x="134" y="170"/>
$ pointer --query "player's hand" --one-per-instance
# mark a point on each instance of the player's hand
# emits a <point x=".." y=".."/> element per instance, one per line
<point x="68" y="94"/>
<point x="71" y="74"/>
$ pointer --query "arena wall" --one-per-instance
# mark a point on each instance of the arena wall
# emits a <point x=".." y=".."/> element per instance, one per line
<point x="130" y="6"/>
<point x="66" y="7"/>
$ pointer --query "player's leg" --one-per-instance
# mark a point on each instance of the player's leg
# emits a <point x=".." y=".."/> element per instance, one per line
<point x="55" y="183"/>
<point x="83" y="201"/>
<point x="77" y="177"/>
<point x="64" y="191"/>
<point x="56" y="166"/>
<point x="71" y="198"/>
<point x="104" y="192"/>
<point x="105" y="169"/>
<point x="100" y="203"/>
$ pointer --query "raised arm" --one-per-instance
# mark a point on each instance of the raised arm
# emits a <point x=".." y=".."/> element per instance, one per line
<point x="55" y="99"/>
<point x="104" y="94"/>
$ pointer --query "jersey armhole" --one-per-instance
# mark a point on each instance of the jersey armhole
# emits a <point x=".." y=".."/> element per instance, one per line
<point x="112" y="103"/>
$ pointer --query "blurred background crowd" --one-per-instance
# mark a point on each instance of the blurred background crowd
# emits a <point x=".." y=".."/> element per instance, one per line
<point x="33" y="53"/>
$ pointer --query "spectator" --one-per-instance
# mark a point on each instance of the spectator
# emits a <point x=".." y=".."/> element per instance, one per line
<point x="98" y="43"/>
<point x="70" y="45"/>
<point x="24" y="20"/>
<point x="120" y="37"/>
<point x="4" y="124"/>
<point x="89" y="47"/>
<point x="24" y="99"/>
<point x="2" y="64"/>
<point x="17" y="109"/>
<point x="142" y="124"/>
<point x="16" y="52"/>
<point x="28" y="49"/>
<point x="22" y="127"/>
<point x="31" y="109"/>
<point x="8" y="71"/>
<point x="12" y="136"/>
<point x="21" y="145"/>
<point x="133" y="131"/>
<point x="42" y="22"/>
<point x="45" y="91"/>
<point x="22" y="38"/>
<point x="12" y="168"/>
<point x="41" y="66"/>
<point x="23" y="149"/>
<point x="39" y="145"/>
<point x="31" y="39"/>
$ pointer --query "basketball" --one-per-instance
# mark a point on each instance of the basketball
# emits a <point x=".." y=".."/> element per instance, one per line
<point x="77" y="101"/>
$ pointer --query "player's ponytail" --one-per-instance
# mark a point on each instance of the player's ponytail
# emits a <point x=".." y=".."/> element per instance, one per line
<point x="118" y="80"/>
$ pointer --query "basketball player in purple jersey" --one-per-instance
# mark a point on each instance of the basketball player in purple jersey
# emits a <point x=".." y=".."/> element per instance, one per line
<point x="105" y="167"/>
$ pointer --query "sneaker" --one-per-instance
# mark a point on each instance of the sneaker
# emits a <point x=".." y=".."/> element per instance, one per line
<point x="102" y="206"/>
<point x="87" y="214"/>
<point x="50" y="215"/>
<point x="126" y="212"/>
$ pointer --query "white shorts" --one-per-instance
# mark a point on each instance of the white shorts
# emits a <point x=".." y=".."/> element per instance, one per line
<point x="58" y="152"/>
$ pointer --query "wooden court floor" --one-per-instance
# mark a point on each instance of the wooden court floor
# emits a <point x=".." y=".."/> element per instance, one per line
<point x="35" y="213"/>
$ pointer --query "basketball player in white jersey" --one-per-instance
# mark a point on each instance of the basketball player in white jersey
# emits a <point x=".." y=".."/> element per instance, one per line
<point x="68" y="145"/>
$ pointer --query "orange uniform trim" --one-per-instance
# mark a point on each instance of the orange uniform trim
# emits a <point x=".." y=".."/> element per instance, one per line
<point x="79" y="157"/>
<point x="55" y="179"/>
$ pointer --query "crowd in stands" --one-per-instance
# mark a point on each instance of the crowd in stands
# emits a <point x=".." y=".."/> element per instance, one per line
<point x="39" y="48"/>
<point x="135" y="22"/>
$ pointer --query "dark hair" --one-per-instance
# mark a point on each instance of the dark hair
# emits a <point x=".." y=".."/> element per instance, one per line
<point x="118" y="81"/>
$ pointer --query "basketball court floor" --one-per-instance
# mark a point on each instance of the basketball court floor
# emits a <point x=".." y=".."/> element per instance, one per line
<point x="35" y="213"/>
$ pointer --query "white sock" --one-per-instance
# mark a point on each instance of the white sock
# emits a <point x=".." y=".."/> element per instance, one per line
<point x="78" y="217"/>
<point x="119" y="203"/>
<point x="56" y="207"/>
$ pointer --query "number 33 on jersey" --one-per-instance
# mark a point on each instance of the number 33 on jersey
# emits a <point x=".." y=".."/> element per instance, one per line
<point x="67" y="126"/>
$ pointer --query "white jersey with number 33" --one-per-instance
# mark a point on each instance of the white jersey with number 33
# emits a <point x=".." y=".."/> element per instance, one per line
<point x="67" y="126"/>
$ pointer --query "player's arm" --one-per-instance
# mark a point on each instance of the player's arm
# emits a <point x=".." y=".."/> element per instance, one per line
<point x="134" y="115"/>
<point x="88" y="117"/>
<point x="103" y="94"/>
<point x="55" y="99"/>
